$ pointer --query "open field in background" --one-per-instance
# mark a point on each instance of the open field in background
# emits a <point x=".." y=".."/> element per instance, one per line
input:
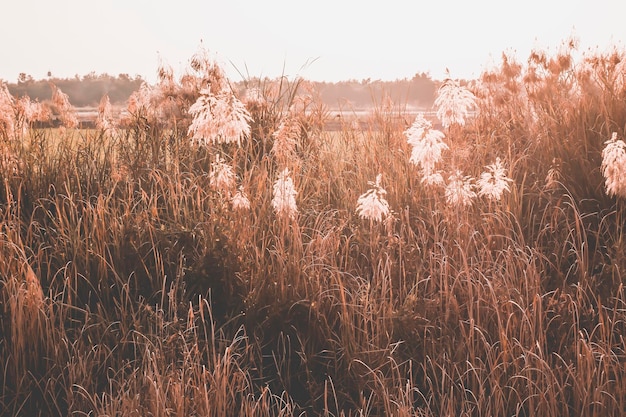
<point x="221" y="254"/>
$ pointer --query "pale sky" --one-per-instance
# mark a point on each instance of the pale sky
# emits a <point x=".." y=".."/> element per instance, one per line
<point x="326" y="40"/>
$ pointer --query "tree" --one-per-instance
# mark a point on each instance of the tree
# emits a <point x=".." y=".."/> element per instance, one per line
<point x="24" y="78"/>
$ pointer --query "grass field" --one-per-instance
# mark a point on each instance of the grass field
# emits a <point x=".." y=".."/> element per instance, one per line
<point x="223" y="255"/>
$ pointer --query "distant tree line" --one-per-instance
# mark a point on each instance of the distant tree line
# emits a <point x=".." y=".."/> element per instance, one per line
<point x="419" y="91"/>
<point x="86" y="91"/>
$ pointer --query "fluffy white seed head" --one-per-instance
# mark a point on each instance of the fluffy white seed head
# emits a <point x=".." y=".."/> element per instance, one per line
<point x="432" y="179"/>
<point x="104" y="121"/>
<point x="67" y="113"/>
<point x="454" y="103"/>
<point x="460" y="190"/>
<point x="219" y="118"/>
<point x="140" y="101"/>
<point x="415" y="133"/>
<point x="284" y="201"/>
<point x="285" y="139"/>
<point x="614" y="166"/>
<point x="221" y="177"/>
<point x="427" y="144"/>
<point x="372" y="204"/>
<point x="427" y="152"/>
<point x="7" y="113"/>
<point x="240" y="200"/>
<point x="493" y="182"/>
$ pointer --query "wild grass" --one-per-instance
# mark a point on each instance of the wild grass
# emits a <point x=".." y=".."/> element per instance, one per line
<point x="131" y="285"/>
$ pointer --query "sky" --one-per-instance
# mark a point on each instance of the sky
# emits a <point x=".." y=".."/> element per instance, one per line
<point x="322" y="40"/>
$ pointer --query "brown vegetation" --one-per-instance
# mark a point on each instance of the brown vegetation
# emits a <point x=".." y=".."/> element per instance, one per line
<point x="131" y="285"/>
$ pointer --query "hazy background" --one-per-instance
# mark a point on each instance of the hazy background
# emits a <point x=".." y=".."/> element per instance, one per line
<point x="344" y="39"/>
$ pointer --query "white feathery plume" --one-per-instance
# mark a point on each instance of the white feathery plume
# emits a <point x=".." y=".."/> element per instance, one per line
<point x="254" y="98"/>
<point x="418" y="128"/>
<point x="493" y="182"/>
<point x="372" y="204"/>
<point x="432" y="179"/>
<point x="221" y="176"/>
<point x="240" y="200"/>
<point x="104" y="121"/>
<point x="453" y="103"/>
<point x="67" y="113"/>
<point x="428" y="146"/>
<point x="7" y="112"/>
<point x="219" y="118"/>
<point x="285" y="138"/>
<point x="284" y="200"/>
<point x="614" y="166"/>
<point x="140" y="100"/>
<point x="460" y="190"/>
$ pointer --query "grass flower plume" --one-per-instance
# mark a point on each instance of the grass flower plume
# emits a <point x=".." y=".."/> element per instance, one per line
<point x="7" y="118"/>
<point x="140" y="101"/>
<point x="219" y="118"/>
<point x="104" y="120"/>
<point x="221" y="176"/>
<point x="240" y="200"/>
<point x="284" y="201"/>
<point x="254" y="99"/>
<point x="67" y="113"/>
<point x="553" y="177"/>
<point x="433" y="179"/>
<point x="218" y="115"/>
<point x="493" y="182"/>
<point x="614" y="166"/>
<point x="427" y="144"/>
<point x="285" y="138"/>
<point x="372" y="205"/>
<point x="453" y="103"/>
<point x="460" y="190"/>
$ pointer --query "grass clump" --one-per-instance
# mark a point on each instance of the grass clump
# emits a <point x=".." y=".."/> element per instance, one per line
<point x="221" y="253"/>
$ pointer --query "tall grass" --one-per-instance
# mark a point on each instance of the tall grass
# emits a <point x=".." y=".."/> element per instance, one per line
<point x="131" y="284"/>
